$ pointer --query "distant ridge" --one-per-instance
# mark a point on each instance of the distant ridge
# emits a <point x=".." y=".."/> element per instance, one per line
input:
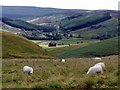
<point x="25" y="11"/>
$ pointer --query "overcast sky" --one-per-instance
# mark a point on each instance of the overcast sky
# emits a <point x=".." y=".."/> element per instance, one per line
<point x="65" y="4"/>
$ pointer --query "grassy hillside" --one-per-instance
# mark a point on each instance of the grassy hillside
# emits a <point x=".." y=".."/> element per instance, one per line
<point x="25" y="25"/>
<point x="82" y="21"/>
<point x="108" y="26"/>
<point x="14" y="46"/>
<point x="103" y="48"/>
<point x="69" y="44"/>
<point x="51" y="74"/>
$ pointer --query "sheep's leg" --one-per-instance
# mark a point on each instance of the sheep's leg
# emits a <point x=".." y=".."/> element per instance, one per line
<point x="29" y="73"/>
<point x="98" y="73"/>
<point x="101" y="72"/>
<point x="104" y="70"/>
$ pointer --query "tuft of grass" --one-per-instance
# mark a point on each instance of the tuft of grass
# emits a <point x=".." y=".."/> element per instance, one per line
<point x="39" y="86"/>
<point x="55" y="85"/>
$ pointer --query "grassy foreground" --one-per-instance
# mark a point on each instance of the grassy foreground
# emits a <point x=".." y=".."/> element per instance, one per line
<point x="50" y="73"/>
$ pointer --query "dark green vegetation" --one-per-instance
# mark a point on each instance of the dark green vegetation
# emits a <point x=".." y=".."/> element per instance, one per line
<point x="26" y="26"/>
<point x="52" y="74"/>
<point x="82" y="21"/>
<point x="14" y="46"/>
<point x="102" y="48"/>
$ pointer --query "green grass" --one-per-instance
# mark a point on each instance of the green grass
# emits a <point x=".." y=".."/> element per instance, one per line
<point x="56" y="51"/>
<point x="71" y="43"/>
<point x="14" y="46"/>
<point x="76" y="41"/>
<point x="103" y="48"/>
<point x="52" y="74"/>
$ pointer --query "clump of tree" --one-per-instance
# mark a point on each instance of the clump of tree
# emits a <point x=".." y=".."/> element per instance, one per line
<point x="103" y="37"/>
<point x="96" y="26"/>
<point x="79" y="36"/>
<point x="52" y="44"/>
<point x="71" y="35"/>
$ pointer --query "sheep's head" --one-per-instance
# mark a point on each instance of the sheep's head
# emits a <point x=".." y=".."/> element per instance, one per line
<point x="29" y="73"/>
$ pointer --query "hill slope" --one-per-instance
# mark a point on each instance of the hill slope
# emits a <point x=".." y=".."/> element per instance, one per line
<point x="25" y="25"/>
<point x="109" y="26"/>
<point x="83" y="21"/>
<point x="103" y="48"/>
<point x="14" y="46"/>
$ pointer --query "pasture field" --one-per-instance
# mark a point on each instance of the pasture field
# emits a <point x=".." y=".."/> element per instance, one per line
<point x="51" y="73"/>
<point x="77" y="40"/>
<point x="64" y="41"/>
<point x="102" y="48"/>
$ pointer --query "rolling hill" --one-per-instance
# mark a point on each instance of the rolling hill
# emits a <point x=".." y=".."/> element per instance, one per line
<point x="107" y="27"/>
<point x="103" y="48"/>
<point x="25" y="25"/>
<point x="14" y="46"/>
<point x="82" y="21"/>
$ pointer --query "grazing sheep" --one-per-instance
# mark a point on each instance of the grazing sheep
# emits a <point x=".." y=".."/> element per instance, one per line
<point x="95" y="70"/>
<point x="98" y="59"/>
<point x="63" y="60"/>
<point x="101" y="64"/>
<point x="27" y="69"/>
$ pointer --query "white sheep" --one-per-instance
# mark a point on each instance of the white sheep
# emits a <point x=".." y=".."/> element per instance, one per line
<point x="98" y="59"/>
<point x="27" y="69"/>
<point x="63" y="60"/>
<point x="101" y="64"/>
<point x="95" y="70"/>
